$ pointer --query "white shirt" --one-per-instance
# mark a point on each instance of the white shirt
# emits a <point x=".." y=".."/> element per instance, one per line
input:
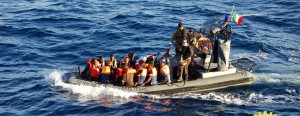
<point x="165" y="70"/>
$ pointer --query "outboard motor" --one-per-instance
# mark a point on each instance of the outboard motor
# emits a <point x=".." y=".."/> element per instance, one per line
<point x="221" y="33"/>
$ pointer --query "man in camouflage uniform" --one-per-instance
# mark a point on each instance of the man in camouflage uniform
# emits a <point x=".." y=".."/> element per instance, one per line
<point x="178" y="36"/>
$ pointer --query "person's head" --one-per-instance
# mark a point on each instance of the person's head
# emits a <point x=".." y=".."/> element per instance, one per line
<point x="131" y="55"/>
<point x="112" y="57"/>
<point x="94" y="60"/>
<point x="141" y="61"/>
<point x="190" y="32"/>
<point x="180" y="26"/>
<point x="101" y="58"/>
<point x="184" y="42"/>
<point x="151" y="65"/>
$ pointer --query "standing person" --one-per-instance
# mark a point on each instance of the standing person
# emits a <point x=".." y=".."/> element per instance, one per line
<point x="165" y="72"/>
<point x="178" y="36"/>
<point x="131" y="59"/>
<point x="191" y="37"/>
<point x="186" y="55"/>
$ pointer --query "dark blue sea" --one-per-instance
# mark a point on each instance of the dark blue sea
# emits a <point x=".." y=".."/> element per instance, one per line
<point x="40" y="40"/>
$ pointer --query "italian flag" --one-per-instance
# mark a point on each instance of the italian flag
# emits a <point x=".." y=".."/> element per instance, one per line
<point x="237" y="18"/>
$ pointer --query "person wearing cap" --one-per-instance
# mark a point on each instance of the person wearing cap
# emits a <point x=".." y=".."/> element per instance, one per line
<point x="191" y="37"/>
<point x="178" y="36"/>
<point x="186" y="55"/>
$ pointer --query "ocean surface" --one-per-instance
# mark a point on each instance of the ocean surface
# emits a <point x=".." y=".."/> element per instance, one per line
<point x="40" y="40"/>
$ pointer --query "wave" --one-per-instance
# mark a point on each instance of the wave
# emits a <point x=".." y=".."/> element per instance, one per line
<point x="54" y="78"/>
<point x="249" y="98"/>
<point x="276" y="78"/>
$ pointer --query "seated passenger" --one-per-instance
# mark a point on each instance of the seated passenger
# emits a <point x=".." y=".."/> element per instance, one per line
<point x="94" y="68"/>
<point x="141" y="72"/>
<point x="152" y="76"/>
<point x="165" y="72"/>
<point x="131" y="59"/>
<point x="128" y="72"/>
<point x="125" y="63"/>
<point x="112" y="62"/>
<point x="101" y="60"/>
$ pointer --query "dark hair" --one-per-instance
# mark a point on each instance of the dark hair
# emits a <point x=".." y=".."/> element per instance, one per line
<point x="180" y="24"/>
<point x="130" y="53"/>
<point x="100" y="57"/>
<point x="112" y="55"/>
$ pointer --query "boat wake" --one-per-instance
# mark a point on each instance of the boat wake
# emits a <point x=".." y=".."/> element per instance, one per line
<point x="247" y="97"/>
<point x="55" y="79"/>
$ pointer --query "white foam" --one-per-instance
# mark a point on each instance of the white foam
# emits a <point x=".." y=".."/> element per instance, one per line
<point x="254" y="14"/>
<point x="244" y="98"/>
<point x="292" y="78"/>
<point x="55" y="79"/>
<point x="259" y="54"/>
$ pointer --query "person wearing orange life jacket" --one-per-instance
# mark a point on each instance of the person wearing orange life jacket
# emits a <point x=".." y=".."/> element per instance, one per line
<point x="101" y="61"/>
<point x="105" y="74"/>
<point x="152" y="76"/>
<point x="112" y="62"/>
<point x="165" y="72"/>
<point x="94" y="68"/>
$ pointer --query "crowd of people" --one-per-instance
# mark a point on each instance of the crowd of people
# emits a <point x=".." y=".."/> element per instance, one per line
<point x="150" y="71"/>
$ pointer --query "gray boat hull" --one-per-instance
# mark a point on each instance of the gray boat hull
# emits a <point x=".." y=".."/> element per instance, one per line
<point x="200" y="84"/>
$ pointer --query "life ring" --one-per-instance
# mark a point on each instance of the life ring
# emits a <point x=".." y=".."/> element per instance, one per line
<point x="204" y="44"/>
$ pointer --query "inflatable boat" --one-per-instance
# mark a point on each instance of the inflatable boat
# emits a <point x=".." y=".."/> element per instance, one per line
<point x="212" y="69"/>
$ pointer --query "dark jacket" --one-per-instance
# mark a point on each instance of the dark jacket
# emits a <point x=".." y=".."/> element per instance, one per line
<point x="178" y="36"/>
<point x="186" y="52"/>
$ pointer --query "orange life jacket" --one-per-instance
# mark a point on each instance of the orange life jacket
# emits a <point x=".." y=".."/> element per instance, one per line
<point x="105" y="70"/>
<point x="119" y="72"/>
<point x="94" y="70"/>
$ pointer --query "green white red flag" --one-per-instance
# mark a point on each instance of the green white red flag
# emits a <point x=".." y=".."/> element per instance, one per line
<point x="237" y="18"/>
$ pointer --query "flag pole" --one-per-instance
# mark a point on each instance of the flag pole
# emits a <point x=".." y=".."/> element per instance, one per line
<point x="231" y="13"/>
